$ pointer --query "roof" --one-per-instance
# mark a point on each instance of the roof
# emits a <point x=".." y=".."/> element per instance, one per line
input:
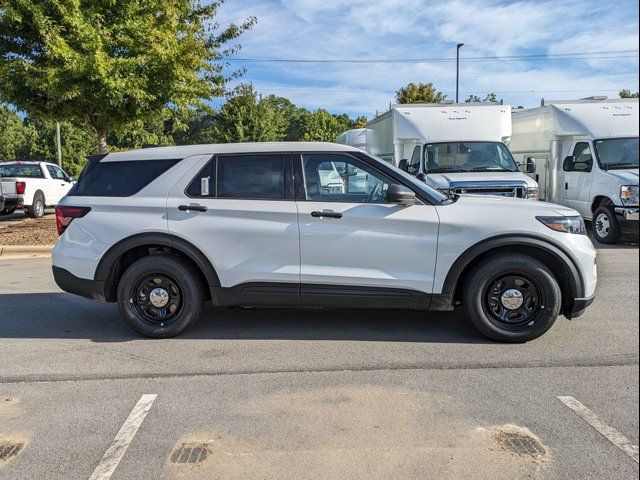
<point x="159" y="153"/>
<point x="26" y="162"/>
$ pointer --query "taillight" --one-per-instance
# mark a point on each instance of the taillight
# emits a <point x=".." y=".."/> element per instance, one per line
<point x="65" y="214"/>
<point x="21" y="187"/>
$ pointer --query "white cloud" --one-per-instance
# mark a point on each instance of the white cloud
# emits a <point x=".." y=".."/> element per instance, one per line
<point x="426" y="29"/>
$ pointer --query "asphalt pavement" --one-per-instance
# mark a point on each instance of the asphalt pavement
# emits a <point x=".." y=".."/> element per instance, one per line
<point x="304" y="394"/>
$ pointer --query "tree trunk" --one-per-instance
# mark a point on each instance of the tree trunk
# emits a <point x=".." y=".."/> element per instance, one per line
<point x="102" y="142"/>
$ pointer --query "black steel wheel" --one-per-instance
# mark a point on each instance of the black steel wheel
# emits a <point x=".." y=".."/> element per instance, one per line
<point x="512" y="297"/>
<point x="160" y="296"/>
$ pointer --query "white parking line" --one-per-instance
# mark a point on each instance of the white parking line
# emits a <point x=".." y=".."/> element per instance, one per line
<point x="119" y="446"/>
<point x="613" y="435"/>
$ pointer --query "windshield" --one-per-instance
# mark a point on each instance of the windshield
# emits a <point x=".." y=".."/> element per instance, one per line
<point x="468" y="157"/>
<point x="20" y="170"/>
<point x="617" y="153"/>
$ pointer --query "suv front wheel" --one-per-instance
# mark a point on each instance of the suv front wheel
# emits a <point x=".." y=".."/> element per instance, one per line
<point x="512" y="297"/>
<point x="160" y="296"/>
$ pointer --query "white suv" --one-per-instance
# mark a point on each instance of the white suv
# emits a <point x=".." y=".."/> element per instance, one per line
<point x="162" y="230"/>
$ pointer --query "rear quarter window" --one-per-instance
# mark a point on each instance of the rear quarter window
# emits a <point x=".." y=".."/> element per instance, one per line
<point x="119" y="179"/>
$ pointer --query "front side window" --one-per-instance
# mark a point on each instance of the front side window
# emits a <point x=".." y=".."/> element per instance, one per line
<point x="468" y="157"/>
<point x="339" y="178"/>
<point x="241" y="177"/>
<point x="56" y="173"/>
<point x="582" y="159"/>
<point x="617" y="153"/>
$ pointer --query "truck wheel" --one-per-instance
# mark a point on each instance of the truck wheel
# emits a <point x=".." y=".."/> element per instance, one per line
<point x="512" y="297"/>
<point x="160" y="296"/>
<point x="36" y="210"/>
<point x="606" y="228"/>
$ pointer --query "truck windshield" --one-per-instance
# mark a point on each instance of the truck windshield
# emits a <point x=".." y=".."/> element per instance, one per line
<point x="468" y="157"/>
<point x="20" y="170"/>
<point x="617" y="153"/>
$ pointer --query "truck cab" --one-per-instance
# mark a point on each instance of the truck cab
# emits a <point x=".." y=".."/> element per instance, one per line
<point x="454" y="148"/>
<point x="587" y="159"/>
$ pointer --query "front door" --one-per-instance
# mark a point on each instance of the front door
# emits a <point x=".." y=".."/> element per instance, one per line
<point x="577" y="179"/>
<point x="58" y="187"/>
<point x="239" y="210"/>
<point x="353" y="242"/>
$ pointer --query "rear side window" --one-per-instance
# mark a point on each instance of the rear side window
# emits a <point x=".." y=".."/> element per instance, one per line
<point x="21" y="170"/>
<point x="119" y="179"/>
<point x="241" y="177"/>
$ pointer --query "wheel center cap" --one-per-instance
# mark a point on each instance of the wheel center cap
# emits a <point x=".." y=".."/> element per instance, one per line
<point x="159" y="297"/>
<point x="512" y="299"/>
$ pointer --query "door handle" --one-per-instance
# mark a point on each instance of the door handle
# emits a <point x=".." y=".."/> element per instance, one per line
<point x="196" y="208"/>
<point x="326" y="213"/>
<point x="566" y="185"/>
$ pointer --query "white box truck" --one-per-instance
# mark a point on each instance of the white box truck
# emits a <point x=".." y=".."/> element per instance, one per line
<point x="586" y="155"/>
<point x="455" y="148"/>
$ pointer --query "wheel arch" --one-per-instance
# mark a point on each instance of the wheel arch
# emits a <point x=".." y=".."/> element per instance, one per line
<point x="115" y="260"/>
<point x="598" y="201"/>
<point x="553" y="255"/>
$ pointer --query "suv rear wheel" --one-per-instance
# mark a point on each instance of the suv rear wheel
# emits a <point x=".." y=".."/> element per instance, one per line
<point x="160" y="296"/>
<point x="512" y="297"/>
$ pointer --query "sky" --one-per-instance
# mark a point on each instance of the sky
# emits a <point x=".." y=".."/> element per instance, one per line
<point x="421" y="29"/>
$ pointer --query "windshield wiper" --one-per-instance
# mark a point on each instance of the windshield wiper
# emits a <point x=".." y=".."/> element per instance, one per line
<point x="448" y="170"/>
<point x="620" y="165"/>
<point x="492" y="169"/>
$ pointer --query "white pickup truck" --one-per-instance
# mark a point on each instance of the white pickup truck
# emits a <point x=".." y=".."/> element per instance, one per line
<point x="32" y="186"/>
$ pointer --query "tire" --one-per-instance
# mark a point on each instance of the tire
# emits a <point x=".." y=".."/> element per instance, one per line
<point x="606" y="228"/>
<point x="36" y="210"/>
<point x="146" y="279"/>
<point x="486" y="305"/>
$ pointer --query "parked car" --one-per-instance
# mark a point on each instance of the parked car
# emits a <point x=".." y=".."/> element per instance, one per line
<point x="454" y="148"/>
<point x="32" y="186"/>
<point x="587" y="158"/>
<point x="162" y="230"/>
<point x="1" y="199"/>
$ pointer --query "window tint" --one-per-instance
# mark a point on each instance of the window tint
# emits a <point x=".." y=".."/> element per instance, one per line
<point x="337" y="178"/>
<point x="21" y="170"/>
<point x="119" y="179"/>
<point x="250" y="176"/>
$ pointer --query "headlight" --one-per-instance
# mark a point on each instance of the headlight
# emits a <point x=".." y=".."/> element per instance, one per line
<point x="629" y="194"/>
<point x="565" y="224"/>
<point x="533" y="194"/>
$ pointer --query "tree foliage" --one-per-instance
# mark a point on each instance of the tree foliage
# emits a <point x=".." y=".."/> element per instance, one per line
<point x="628" y="94"/>
<point x="107" y="65"/>
<point x="490" y="97"/>
<point x="419" y="93"/>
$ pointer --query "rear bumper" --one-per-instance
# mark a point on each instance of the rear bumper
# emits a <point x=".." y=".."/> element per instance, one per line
<point x="580" y="305"/>
<point x="13" y="202"/>
<point x="68" y="282"/>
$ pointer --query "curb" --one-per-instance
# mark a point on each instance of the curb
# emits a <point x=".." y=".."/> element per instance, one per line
<point x="19" y="251"/>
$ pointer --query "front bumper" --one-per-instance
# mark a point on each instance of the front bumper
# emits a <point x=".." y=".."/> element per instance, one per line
<point x="68" y="282"/>
<point x="580" y="305"/>
<point x="628" y="213"/>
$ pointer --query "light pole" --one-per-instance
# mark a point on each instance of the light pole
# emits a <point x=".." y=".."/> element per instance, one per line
<point x="458" y="47"/>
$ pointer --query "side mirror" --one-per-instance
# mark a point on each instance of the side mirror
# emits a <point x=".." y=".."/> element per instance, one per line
<point x="567" y="165"/>
<point x="404" y="165"/>
<point x="400" y="194"/>
<point x="422" y="177"/>
<point x="530" y="166"/>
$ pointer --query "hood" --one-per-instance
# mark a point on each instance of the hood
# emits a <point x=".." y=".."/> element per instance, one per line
<point x="442" y="181"/>
<point x="624" y="177"/>
<point x="531" y="207"/>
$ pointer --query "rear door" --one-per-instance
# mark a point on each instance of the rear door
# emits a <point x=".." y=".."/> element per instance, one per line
<point x="355" y="245"/>
<point x="240" y="211"/>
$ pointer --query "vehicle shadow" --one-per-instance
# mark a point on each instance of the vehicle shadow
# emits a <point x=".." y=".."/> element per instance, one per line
<point x="60" y="315"/>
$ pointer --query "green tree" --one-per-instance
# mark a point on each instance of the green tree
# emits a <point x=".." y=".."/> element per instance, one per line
<point x="15" y="136"/>
<point x="247" y="117"/>
<point x="628" y="94"/>
<point x="323" y="127"/>
<point x="490" y="97"/>
<point x="105" y="65"/>
<point x="419" y="93"/>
